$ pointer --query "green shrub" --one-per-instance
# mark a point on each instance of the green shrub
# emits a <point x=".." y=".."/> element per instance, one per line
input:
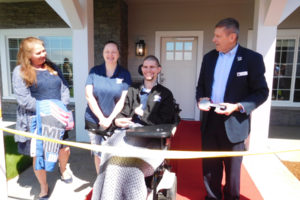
<point x="15" y="162"/>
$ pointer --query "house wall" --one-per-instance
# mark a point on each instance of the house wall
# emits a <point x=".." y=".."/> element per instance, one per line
<point x="146" y="18"/>
<point x="143" y="19"/>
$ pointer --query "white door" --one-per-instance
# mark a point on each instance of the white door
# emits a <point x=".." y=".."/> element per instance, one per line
<point x="179" y="71"/>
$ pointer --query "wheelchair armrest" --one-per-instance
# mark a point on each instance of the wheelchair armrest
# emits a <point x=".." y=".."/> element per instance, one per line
<point x="153" y="131"/>
<point x="100" y="132"/>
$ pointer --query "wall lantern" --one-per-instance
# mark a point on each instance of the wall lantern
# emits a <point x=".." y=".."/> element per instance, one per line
<point x="140" y="48"/>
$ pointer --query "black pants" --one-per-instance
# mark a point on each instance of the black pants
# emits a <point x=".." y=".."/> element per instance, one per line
<point x="215" y="138"/>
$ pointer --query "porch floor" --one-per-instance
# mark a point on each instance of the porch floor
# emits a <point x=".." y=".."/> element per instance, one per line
<point x="271" y="177"/>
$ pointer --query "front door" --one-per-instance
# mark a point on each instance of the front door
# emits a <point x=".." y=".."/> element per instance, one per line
<point x="179" y="71"/>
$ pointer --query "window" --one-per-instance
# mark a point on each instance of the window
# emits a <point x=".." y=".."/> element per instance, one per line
<point x="58" y="44"/>
<point x="59" y="51"/>
<point x="283" y="68"/>
<point x="13" y="47"/>
<point x="286" y="79"/>
<point x="179" y="50"/>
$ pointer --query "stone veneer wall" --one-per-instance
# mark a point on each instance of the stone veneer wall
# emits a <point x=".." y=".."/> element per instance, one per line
<point x="111" y="23"/>
<point x="285" y="116"/>
<point x="29" y="15"/>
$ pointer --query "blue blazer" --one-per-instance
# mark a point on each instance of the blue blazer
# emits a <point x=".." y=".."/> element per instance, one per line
<point x="246" y="85"/>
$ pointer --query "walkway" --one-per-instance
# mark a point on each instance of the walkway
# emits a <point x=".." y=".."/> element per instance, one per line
<point x="26" y="187"/>
<point x="272" y="178"/>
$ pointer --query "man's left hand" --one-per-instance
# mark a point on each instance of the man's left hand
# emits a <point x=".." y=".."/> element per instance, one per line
<point x="229" y="108"/>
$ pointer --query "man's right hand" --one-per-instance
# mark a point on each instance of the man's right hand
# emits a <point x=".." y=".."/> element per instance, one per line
<point x="202" y="105"/>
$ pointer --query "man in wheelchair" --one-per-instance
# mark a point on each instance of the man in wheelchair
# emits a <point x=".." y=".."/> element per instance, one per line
<point x="149" y="103"/>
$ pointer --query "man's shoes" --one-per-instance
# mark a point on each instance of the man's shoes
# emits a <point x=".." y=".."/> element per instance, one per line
<point x="66" y="176"/>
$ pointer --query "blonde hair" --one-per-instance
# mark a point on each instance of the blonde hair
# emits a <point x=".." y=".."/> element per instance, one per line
<point x="28" y="72"/>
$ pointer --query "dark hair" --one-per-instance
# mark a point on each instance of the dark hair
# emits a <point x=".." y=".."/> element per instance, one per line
<point x="152" y="57"/>
<point x="230" y="24"/>
<point x="112" y="42"/>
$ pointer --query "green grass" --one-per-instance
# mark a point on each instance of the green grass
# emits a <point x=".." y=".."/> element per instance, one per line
<point x="71" y="92"/>
<point x="15" y="162"/>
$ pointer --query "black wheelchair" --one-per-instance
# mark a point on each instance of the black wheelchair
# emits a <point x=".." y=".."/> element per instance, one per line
<point x="163" y="183"/>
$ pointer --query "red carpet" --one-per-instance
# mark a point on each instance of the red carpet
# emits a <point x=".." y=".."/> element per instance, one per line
<point x="189" y="172"/>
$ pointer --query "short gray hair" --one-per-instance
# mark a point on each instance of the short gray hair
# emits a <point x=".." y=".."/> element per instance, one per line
<point x="230" y="24"/>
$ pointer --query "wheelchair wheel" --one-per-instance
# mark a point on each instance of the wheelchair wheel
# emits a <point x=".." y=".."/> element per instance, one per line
<point x="169" y="194"/>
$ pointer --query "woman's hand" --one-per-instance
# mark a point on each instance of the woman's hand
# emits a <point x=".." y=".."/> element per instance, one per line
<point x="105" y="123"/>
<point x="123" y="122"/>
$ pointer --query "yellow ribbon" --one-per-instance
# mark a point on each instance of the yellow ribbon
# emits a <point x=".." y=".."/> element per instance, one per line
<point x="142" y="152"/>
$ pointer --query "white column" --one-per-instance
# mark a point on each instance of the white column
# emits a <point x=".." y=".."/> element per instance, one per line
<point x="3" y="179"/>
<point x="83" y="60"/>
<point x="265" y="29"/>
<point x="264" y="43"/>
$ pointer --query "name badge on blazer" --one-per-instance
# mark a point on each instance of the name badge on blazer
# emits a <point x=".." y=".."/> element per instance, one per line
<point x="157" y="98"/>
<point x="245" y="73"/>
<point x="119" y="80"/>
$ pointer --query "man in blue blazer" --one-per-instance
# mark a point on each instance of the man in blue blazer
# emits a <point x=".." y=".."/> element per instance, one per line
<point x="232" y="77"/>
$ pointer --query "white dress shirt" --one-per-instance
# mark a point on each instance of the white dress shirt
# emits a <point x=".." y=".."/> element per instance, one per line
<point x="222" y="70"/>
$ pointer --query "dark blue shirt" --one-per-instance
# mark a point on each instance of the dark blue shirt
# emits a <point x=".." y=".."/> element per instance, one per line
<point x="107" y="90"/>
<point x="48" y="86"/>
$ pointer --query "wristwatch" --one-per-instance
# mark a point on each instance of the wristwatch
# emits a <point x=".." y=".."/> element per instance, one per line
<point x="240" y="107"/>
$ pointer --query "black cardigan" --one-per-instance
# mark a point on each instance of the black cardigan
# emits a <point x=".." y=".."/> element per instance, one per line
<point x="160" y="107"/>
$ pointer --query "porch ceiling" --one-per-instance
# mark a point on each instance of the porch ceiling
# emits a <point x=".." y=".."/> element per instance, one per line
<point x="179" y="1"/>
<point x="146" y="1"/>
<point x="14" y="1"/>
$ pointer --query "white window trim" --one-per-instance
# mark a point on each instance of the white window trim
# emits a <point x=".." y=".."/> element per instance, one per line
<point x="289" y="34"/>
<point x="5" y="34"/>
<point x="282" y="34"/>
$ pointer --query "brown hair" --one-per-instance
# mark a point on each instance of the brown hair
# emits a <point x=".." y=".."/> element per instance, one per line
<point x="24" y="55"/>
<point x="153" y="58"/>
<point x="112" y="42"/>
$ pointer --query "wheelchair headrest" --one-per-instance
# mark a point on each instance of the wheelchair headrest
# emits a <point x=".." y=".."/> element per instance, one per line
<point x="140" y="69"/>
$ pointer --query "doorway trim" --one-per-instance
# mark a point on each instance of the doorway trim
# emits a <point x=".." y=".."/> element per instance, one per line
<point x="199" y="35"/>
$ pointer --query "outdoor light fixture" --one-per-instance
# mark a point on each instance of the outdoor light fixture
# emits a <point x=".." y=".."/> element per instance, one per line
<point x="140" y="48"/>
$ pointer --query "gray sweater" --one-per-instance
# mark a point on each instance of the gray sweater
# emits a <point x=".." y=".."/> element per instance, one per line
<point x="27" y="103"/>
